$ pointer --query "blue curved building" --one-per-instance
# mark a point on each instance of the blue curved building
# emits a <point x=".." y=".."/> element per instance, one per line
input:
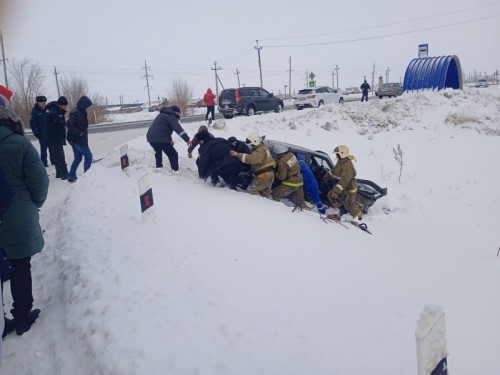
<point x="433" y="73"/>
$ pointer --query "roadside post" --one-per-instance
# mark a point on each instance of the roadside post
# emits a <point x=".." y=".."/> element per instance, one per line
<point x="431" y="342"/>
<point x="124" y="161"/>
<point x="146" y="199"/>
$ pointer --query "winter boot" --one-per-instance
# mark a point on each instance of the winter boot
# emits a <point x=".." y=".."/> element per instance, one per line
<point x="24" y="324"/>
<point x="9" y="327"/>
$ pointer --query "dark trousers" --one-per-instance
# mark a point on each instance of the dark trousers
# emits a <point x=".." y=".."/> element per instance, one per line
<point x="169" y="150"/>
<point x="229" y="174"/>
<point x="364" y="96"/>
<point x="43" y="151"/>
<point x="21" y="288"/>
<point x="210" y="110"/>
<point x="59" y="160"/>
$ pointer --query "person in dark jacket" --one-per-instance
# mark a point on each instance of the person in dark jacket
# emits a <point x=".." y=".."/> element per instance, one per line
<point x="364" y="88"/>
<point x="215" y="160"/>
<point x="159" y="136"/>
<point x="38" y="118"/>
<point x="195" y="141"/>
<point x="55" y="135"/>
<point x="239" y="146"/>
<point x="6" y="198"/>
<point x="20" y="234"/>
<point x="78" y="137"/>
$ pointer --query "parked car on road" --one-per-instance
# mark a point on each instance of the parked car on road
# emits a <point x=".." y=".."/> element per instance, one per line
<point x="318" y="96"/>
<point x="482" y="83"/>
<point x="352" y="90"/>
<point x="389" y="89"/>
<point x="248" y="101"/>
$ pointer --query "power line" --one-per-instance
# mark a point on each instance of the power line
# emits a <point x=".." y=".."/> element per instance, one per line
<point x="384" y="36"/>
<point x="387" y="24"/>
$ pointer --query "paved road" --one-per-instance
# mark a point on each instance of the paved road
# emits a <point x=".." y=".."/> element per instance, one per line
<point x="104" y="128"/>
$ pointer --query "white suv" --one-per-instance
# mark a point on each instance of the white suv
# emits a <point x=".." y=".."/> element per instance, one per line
<point x="482" y="83"/>
<point x="317" y="96"/>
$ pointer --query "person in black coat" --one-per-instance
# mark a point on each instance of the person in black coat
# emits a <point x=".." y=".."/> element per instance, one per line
<point x="78" y="137"/>
<point x="195" y="142"/>
<point x="215" y="160"/>
<point x="38" y="118"/>
<point x="159" y="136"/>
<point x="239" y="146"/>
<point x="55" y="135"/>
<point x="364" y="88"/>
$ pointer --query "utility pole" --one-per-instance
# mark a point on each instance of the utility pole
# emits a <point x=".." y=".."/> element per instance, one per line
<point x="216" y="79"/>
<point x="333" y="79"/>
<point x="387" y="75"/>
<point x="373" y="78"/>
<point x="57" y="81"/>
<point x="147" y="81"/>
<point x="260" y="63"/>
<point x="307" y="78"/>
<point x="238" y="75"/>
<point x="337" y="74"/>
<point x="290" y="77"/>
<point x="4" y="61"/>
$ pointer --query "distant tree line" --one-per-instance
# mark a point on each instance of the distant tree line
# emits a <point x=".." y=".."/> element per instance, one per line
<point x="27" y="81"/>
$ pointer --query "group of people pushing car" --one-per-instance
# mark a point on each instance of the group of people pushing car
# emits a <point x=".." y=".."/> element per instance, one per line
<point x="221" y="158"/>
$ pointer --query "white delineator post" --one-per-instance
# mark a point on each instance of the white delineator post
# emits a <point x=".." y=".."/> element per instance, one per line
<point x="431" y="342"/>
<point x="124" y="161"/>
<point x="146" y="198"/>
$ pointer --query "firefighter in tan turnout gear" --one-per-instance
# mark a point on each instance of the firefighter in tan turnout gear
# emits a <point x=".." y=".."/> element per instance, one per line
<point x="346" y="187"/>
<point x="288" y="172"/>
<point x="262" y="163"/>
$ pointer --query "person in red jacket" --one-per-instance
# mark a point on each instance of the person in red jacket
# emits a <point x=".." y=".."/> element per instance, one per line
<point x="209" y="98"/>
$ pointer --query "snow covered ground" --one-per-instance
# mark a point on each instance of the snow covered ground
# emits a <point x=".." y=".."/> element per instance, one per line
<point x="229" y="283"/>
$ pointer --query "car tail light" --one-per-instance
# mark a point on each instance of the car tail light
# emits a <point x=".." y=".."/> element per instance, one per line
<point x="237" y="95"/>
<point x="311" y="96"/>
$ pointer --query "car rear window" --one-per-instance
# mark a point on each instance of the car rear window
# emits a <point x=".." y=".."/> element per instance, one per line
<point x="305" y="91"/>
<point x="227" y="94"/>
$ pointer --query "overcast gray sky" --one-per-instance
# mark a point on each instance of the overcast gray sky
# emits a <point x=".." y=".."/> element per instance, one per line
<point x="106" y="41"/>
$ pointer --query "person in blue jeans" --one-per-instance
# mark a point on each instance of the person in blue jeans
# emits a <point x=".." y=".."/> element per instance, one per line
<point x="310" y="184"/>
<point x="78" y="137"/>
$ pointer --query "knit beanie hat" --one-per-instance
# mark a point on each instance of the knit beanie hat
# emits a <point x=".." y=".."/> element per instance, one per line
<point x="202" y="136"/>
<point x="41" y="98"/>
<point x="5" y="95"/>
<point x="62" y="100"/>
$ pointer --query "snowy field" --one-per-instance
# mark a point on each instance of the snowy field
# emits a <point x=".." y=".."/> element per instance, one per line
<point x="229" y="283"/>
